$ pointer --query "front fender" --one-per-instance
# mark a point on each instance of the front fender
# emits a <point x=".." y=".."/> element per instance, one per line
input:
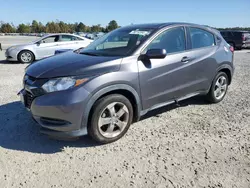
<point x="104" y="91"/>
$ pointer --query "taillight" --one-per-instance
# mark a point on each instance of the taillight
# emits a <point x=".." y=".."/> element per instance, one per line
<point x="231" y="49"/>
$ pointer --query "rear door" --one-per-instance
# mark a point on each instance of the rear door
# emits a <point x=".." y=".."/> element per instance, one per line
<point x="203" y="47"/>
<point x="66" y="42"/>
<point x="81" y="43"/>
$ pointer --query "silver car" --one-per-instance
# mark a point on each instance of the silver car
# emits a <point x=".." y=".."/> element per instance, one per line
<point x="45" y="47"/>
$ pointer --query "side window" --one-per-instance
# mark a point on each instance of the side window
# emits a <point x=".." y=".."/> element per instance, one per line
<point x="51" y="39"/>
<point x="172" y="40"/>
<point x="201" y="38"/>
<point x="65" y="38"/>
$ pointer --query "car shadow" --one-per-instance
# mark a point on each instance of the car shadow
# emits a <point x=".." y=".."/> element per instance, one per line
<point x="19" y="132"/>
<point x="4" y="62"/>
<point x="13" y="62"/>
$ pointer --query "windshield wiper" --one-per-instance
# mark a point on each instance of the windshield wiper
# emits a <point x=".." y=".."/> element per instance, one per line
<point x="89" y="53"/>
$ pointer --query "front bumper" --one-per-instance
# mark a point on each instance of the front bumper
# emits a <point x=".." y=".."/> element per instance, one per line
<point x="11" y="55"/>
<point x="59" y="114"/>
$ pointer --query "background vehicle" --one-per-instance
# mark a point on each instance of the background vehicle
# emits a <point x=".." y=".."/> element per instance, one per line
<point x="103" y="88"/>
<point x="246" y="42"/>
<point x="235" y="38"/>
<point x="45" y="47"/>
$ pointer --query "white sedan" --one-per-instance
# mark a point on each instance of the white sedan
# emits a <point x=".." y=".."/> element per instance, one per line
<point x="45" y="47"/>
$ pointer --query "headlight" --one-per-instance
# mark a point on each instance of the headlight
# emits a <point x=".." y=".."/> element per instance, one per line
<point x="60" y="84"/>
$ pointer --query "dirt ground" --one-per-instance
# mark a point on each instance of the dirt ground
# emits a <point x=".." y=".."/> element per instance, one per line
<point x="194" y="145"/>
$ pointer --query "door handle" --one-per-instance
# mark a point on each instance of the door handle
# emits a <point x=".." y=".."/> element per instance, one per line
<point x="185" y="59"/>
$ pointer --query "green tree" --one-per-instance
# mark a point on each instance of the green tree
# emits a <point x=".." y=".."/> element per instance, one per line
<point x="96" y="28"/>
<point x="34" y="27"/>
<point x="7" y="28"/>
<point x="112" y="25"/>
<point x="22" y="28"/>
<point x="81" y="27"/>
<point x="41" y="28"/>
<point x="64" y="28"/>
<point x="52" y="27"/>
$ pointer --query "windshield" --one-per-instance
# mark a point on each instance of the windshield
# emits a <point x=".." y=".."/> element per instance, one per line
<point x="121" y="42"/>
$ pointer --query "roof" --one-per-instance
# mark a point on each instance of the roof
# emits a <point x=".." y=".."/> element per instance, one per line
<point x="160" y="25"/>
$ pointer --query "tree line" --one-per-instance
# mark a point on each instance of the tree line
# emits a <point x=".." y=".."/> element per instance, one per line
<point x="62" y="27"/>
<point x="235" y="28"/>
<point x="55" y="27"/>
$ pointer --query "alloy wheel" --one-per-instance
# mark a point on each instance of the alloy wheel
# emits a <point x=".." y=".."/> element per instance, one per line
<point x="113" y="119"/>
<point x="220" y="87"/>
<point x="26" y="57"/>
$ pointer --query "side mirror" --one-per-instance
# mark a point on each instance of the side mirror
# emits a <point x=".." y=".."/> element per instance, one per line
<point x="156" y="53"/>
<point x="38" y="43"/>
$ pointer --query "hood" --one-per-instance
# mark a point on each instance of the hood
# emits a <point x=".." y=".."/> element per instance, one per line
<point x="20" y="46"/>
<point x="73" y="64"/>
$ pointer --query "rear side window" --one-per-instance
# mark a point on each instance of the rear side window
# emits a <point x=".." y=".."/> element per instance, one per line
<point x="201" y="38"/>
<point x="65" y="38"/>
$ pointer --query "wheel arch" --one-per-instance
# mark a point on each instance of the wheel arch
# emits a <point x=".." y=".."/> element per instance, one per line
<point x="26" y="50"/>
<point x="228" y="70"/>
<point x="122" y="89"/>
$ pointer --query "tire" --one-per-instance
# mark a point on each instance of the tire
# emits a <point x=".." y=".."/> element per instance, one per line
<point x="211" y="96"/>
<point x="26" y="56"/>
<point x="239" y="48"/>
<point x="103" y="126"/>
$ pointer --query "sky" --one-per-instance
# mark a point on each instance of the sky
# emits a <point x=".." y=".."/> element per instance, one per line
<point x="215" y="13"/>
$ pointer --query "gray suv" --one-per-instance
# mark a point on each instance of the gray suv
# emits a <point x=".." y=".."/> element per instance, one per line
<point x="104" y="88"/>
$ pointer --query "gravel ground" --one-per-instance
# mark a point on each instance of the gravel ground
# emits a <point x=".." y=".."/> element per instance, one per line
<point x="194" y="145"/>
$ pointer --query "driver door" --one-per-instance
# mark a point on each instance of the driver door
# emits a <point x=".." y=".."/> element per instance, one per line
<point x="167" y="79"/>
<point x="47" y="46"/>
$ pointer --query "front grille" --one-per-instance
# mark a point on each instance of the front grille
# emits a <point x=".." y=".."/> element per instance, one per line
<point x="28" y="99"/>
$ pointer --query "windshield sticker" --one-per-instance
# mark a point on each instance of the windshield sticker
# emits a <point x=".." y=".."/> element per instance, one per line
<point x="136" y="32"/>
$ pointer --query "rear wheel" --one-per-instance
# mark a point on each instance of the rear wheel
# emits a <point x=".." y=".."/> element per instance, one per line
<point x="26" y="57"/>
<point x="112" y="117"/>
<point x="219" y="88"/>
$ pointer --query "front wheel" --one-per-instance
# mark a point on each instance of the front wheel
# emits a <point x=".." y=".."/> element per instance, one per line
<point x="111" y="118"/>
<point x="219" y="88"/>
<point x="26" y="57"/>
